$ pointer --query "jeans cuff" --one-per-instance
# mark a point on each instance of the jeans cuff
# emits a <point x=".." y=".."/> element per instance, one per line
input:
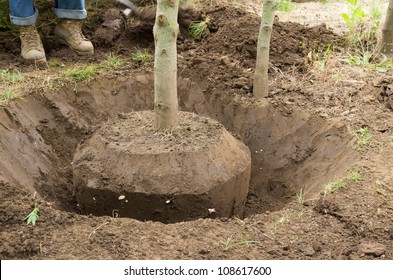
<point x="24" y="21"/>
<point x="70" y="14"/>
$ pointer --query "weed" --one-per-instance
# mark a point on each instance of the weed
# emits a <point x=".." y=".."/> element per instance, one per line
<point x="363" y="136"/>
<point x="381" y="188"/>
<point x="113" y="61"/>
<point x="230" y="244"/>
<point x="334" y="186"/>
<point x="284" y="5"/>
<point x="82" y="73"/>
<point x="354" y="176"/>
<point x="33" y="216"/>
<point x="355" y="16"/>
<point x="142" y="55"/>
<point x="198" y="29"/>
<point x="300" y="196"/>
<point x="320" y="57"/>
<point x="8" y="95"/>
<point x="11" y="76"/>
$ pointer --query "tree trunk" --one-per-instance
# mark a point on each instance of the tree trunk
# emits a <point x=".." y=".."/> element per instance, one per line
<point x="387" y="31"/>
<point x="165" y="32"/>
<point x="261" y="81"/>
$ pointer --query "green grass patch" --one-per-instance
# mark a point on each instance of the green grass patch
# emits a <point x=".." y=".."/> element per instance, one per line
<point x="230" y="243"/>
<point x="82" y="73"/>
<point x="141" y="55"/>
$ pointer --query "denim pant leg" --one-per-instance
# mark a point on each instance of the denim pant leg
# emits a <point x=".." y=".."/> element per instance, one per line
<point x="71" y="9"/>
<point x="23" y="12"/>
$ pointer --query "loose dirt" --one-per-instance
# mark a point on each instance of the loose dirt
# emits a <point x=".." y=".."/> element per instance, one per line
<point x="301" y="138"/>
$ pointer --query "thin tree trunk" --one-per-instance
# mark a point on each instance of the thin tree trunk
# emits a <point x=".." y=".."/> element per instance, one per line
<point x="261" y="81"/>
<point x="387" y="31"/>
<point x="165" y="32"/>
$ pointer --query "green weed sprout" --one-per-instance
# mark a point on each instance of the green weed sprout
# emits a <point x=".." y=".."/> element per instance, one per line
<point x="363" y="135"/>
<point x="33" y="216"/>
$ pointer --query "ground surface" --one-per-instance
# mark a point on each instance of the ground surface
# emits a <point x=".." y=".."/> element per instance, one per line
<point x="303" y="140"/>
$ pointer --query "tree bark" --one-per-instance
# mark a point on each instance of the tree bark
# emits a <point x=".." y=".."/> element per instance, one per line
<point x="261" y="81"/>
<point x="387" y="31"/>
<point x="165" y="32"/>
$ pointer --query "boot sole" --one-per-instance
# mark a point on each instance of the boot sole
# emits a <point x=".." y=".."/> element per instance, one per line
<point x="82" y="53"/>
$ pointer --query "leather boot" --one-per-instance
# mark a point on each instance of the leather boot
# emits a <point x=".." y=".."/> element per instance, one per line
<point x="68" y="32"/>
<point x="31" y="44"/>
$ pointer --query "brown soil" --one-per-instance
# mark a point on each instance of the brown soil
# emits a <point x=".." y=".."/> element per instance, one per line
<point x="128" y="168"/>
<point x="301" y="138"/>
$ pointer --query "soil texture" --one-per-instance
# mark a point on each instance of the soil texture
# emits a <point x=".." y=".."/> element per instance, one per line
<point x="318" y="189"/>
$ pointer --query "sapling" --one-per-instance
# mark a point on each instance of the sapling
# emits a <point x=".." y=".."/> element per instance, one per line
<point x="33" y="216"/>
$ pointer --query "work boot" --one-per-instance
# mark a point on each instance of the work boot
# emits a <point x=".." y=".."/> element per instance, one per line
<point x="68" y="32"/>
<point x="31" y="44"/>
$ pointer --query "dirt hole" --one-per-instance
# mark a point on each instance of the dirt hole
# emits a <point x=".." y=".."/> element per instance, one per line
<point x="291" y="151"/>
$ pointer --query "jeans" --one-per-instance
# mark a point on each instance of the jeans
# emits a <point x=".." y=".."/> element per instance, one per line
<point x="23" y="12"/>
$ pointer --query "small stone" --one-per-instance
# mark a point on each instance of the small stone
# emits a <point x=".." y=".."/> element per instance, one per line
<point x="308" y="250"/>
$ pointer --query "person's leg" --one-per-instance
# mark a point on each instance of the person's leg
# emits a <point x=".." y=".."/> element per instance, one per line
<point x="71" y="9"/>
<point x="24" y="14"/>
<point x="68" y="31"/>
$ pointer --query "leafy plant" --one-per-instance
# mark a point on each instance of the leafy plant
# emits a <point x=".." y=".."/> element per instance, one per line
<point x="284" y="5"/>
<point x="363" y="136"/>
<point x="356" y="14"/>
<point x="33" y="216"/>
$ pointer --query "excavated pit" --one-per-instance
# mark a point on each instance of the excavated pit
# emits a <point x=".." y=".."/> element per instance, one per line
<point x="289" y="151"/>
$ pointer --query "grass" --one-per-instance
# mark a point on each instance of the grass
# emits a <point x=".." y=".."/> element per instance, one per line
<point x="142" y="55"/>
<point x="353" y="175"/>
<point x="82" y="73"/>
<point x="300" y="196"/>
<point x="334" y="186"/>
<point x="7" y="96"/>
<point x="113" y="62"/>
<point x="363" y="136"/>
<point x="10" y="79"/>
<point x="198" y="29"/>
<point x="11" y="76"/>
<point x="230" y="244"/>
